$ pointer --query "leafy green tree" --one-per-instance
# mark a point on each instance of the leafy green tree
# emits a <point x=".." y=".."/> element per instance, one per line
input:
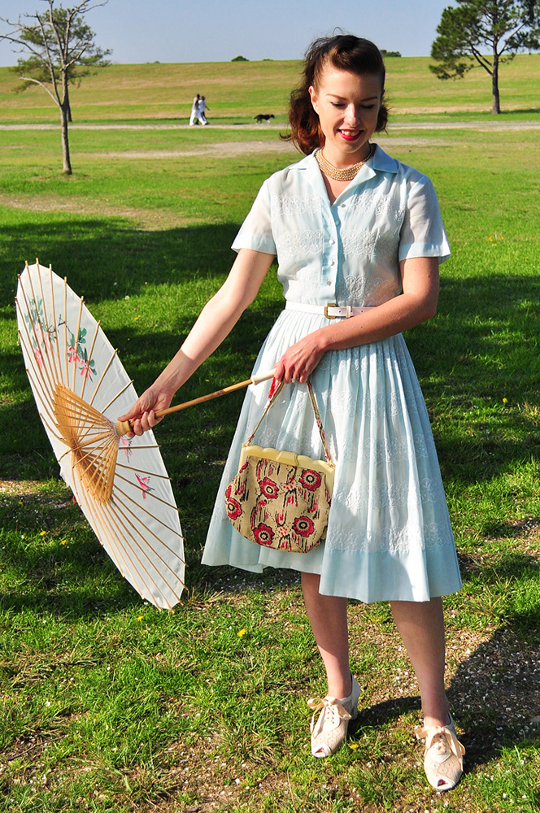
<point x="472" y="27"/>
<point x="59" y="50"/>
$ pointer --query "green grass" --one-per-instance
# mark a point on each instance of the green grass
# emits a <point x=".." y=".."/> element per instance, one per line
<point x="237" y="91"/>
<point x="110" y="705"/>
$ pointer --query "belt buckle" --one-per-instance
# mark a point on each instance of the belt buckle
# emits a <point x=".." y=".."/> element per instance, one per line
<point x="329" y="305"/>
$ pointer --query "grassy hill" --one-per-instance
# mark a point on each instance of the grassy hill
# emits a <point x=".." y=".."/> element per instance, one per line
<point x="236" y="91"/>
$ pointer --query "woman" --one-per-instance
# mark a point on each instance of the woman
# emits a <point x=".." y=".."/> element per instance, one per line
<point x="194" y="110"/>
<point x="349" y="225"/>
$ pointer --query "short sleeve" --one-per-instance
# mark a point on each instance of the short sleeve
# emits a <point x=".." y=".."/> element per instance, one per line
<point x="422" y="232"/>
<point x="256" y="230"/>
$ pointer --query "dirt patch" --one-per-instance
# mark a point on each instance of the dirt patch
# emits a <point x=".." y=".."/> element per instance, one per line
<point x="150" y="220"/>
<point x="224" y="150"/>
<point x="232" y="149"/>
<point x="20" y="487"/>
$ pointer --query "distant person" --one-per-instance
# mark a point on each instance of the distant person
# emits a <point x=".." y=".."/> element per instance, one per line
<point x="194" y="111"/>
<point x="201" y="110"/>
<point x="351" y="225"/>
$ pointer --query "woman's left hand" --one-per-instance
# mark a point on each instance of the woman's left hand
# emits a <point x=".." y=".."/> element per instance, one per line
<point x="299" y="361"/>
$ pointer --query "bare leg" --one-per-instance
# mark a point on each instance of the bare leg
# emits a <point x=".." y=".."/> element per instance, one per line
<point x="421" y="626"/>
<point x="328" y="618"/>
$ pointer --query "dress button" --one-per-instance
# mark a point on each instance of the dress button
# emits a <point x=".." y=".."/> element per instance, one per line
<point x="328" y="282"/>
<point x="331" y="262"/>
<point x="331" y="242"/>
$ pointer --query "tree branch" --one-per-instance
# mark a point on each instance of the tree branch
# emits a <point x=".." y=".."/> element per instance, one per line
<point x="482" y="60"/>
<point x="42" y="85"/>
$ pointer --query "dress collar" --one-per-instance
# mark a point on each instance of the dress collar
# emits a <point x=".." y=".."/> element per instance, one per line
<point x="379" y="162"/>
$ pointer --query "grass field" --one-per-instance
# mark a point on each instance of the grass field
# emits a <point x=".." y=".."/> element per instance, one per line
<point x="110" y="705"/>
<point x="238" y="91"/>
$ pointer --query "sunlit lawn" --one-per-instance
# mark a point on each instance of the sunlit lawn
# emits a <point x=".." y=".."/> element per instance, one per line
<point x="110" y="705"/>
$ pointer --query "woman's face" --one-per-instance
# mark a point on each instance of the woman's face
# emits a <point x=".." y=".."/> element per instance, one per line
<point x="348" y="107"/>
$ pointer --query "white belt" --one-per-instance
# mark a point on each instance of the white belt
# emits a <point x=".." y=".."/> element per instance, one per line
<point x="330" y="310"/>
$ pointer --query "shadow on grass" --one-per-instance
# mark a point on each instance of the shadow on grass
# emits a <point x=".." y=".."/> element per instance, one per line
<point x="482" y="345"/>
<point x="495" y="697"/>
<point x="523" y="110"/>
<point x="495" y="693"/>
<point x="71" y="581"/>
<point x="481" y="348"/>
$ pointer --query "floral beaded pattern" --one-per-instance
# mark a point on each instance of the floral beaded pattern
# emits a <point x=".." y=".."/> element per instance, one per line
<point x="278" y="505"/>
<point x="279" y="500"/>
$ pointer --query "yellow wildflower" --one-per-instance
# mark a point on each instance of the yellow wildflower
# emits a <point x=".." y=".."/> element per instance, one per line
<point x="241" y="632"/>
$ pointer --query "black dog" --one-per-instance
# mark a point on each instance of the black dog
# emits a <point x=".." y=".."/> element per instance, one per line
<point x="263" y="117"/>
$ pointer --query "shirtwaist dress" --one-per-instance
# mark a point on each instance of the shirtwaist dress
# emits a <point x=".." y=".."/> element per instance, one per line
<point x="389" y="535"/>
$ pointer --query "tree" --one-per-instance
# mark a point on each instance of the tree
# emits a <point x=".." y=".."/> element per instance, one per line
<point x="504" y="27"/>
<point x="60" y="50"/>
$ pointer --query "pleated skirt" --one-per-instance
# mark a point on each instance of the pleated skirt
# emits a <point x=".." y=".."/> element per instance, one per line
<point x="389" y="535"/>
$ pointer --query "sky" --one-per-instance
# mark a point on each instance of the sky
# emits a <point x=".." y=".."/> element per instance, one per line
<point x="219" y="30"/>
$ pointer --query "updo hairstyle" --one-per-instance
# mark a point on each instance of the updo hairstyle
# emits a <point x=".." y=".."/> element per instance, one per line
<point x="347" y="53"/>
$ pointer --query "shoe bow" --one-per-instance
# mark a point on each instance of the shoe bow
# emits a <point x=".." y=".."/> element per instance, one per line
<point x="331" y="704"/>
<point x="441" y="742"/>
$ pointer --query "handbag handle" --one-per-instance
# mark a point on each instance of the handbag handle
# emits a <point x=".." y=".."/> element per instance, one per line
<point x="315" y="412"/>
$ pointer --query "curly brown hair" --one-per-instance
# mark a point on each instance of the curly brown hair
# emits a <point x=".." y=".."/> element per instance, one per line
<point x="346" y="52"/>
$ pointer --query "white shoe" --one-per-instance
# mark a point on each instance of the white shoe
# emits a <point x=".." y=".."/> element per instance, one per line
<point x="443" y="755"/>
<point x="330" y="730"/>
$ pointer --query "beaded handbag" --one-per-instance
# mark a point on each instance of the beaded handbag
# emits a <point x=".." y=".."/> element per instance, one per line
<point x="281" y="499"/>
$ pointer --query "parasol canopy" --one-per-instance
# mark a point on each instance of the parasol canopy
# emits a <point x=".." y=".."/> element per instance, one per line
<point x="120" y="483"/>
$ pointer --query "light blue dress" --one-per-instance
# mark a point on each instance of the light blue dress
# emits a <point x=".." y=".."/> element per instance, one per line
<point x="389" y="535"/>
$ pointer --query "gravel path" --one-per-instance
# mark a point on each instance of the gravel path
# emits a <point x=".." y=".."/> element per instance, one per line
<point x="438" y="125"/>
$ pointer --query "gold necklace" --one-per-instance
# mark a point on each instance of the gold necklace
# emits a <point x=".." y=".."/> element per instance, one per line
<point x="341" y="174"/>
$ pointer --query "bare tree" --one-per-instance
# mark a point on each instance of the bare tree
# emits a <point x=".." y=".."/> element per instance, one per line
<point x="59" y="50"/>
<point x="468" y="30"/>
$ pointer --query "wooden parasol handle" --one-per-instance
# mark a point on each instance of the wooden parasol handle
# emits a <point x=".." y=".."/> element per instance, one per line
<point x="123" y="427"/>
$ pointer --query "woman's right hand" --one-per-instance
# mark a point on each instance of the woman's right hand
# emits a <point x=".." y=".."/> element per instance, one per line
<point x="142" y="415"/>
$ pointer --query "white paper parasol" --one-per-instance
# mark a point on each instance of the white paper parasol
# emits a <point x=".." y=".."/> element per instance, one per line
<point x="80" y="387"/>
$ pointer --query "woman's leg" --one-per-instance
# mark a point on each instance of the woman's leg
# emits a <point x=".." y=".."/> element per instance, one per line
<point x="328" y="618"/>
<point x="421" y="626"/>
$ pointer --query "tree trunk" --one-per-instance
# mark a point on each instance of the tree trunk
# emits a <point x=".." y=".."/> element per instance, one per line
<point x="65" y="118"/>
<point x="67" y="103"/>
<point x="66" y="160"/>
<point x="496" y="102"/>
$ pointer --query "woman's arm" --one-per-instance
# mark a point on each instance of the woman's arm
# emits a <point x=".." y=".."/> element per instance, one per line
<point x="416" y="304"/>
<point x="215" y="322"/>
